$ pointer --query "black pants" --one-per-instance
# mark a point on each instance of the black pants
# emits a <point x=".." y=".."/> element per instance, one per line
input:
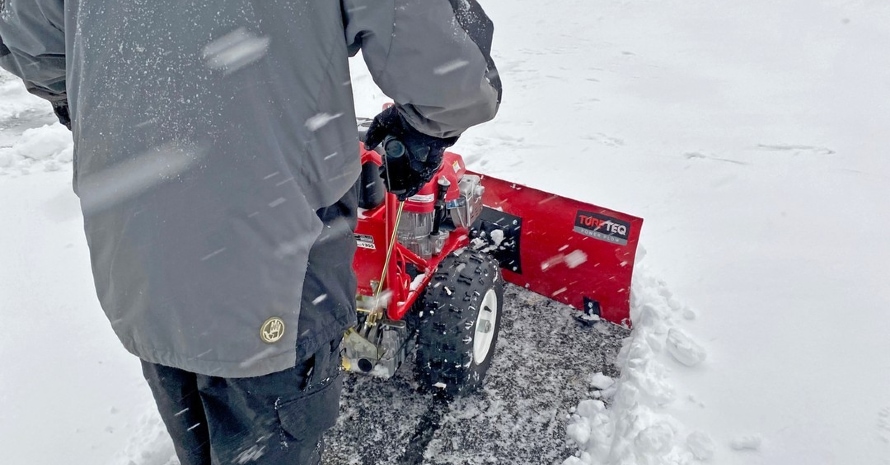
<point x="277" y="419"/>
<point x="274" y="419"/>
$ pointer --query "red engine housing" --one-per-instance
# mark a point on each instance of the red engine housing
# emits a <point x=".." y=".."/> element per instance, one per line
<point x="375" y="228"/>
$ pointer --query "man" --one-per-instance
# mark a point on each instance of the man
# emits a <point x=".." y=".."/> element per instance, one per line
<point x="215" y="158"/>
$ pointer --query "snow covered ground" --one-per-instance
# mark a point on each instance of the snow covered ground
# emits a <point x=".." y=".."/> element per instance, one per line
<point x="750" y="134"/>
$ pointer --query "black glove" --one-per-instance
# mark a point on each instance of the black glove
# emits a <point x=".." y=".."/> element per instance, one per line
<point x="60" y="108"/>
<point x="412" y="157"/>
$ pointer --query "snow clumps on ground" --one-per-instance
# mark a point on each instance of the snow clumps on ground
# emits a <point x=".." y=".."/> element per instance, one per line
<point x="627" y="424"/>
<point x="25" y="146"/>
<point x="45" y="148"/>
<point x="152" y="446"/>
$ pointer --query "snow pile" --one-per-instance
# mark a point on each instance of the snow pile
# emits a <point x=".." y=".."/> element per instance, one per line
<point x="25" y="145"/>
<point x="16" y="102"/>
<point x="634" y="428"/>
<point x="46" y="148"/>
<point x="684" y="349"/>
<point x="748" y="442"/>
<point x="151" y="445"/>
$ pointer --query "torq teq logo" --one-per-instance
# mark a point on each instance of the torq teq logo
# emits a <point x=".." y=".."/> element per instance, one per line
<point x="602" y="227"/>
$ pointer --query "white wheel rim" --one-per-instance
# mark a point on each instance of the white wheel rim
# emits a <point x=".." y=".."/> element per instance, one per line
<point x="485" y="325"/>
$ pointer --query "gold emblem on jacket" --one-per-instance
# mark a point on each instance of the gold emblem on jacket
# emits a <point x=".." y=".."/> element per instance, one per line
<point x="272" y="330"/>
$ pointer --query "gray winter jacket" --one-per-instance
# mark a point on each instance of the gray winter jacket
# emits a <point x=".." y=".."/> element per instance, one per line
<point x="207" y="133"/>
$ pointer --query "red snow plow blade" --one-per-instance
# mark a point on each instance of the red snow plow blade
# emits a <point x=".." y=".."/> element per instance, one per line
<point x="570" y="251"/>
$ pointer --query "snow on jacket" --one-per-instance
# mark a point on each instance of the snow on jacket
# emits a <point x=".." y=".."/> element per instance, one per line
<point x="208" y="133"/>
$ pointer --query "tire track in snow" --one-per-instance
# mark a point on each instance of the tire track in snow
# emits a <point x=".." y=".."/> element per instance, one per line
<point x="426" y="428"/>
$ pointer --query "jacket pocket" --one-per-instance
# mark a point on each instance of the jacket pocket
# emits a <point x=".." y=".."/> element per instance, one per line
<point x="306" y="418"/>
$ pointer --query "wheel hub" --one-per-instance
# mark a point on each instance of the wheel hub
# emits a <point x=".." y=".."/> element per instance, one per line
<point x="484" y="335"/>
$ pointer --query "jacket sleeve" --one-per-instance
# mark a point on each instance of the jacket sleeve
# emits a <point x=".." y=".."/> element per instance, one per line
<point x="32" y="45"/>
<point x="432" y="57"/>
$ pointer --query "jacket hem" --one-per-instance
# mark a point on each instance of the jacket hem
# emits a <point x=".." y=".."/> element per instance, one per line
<point x="224" y="369"/>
